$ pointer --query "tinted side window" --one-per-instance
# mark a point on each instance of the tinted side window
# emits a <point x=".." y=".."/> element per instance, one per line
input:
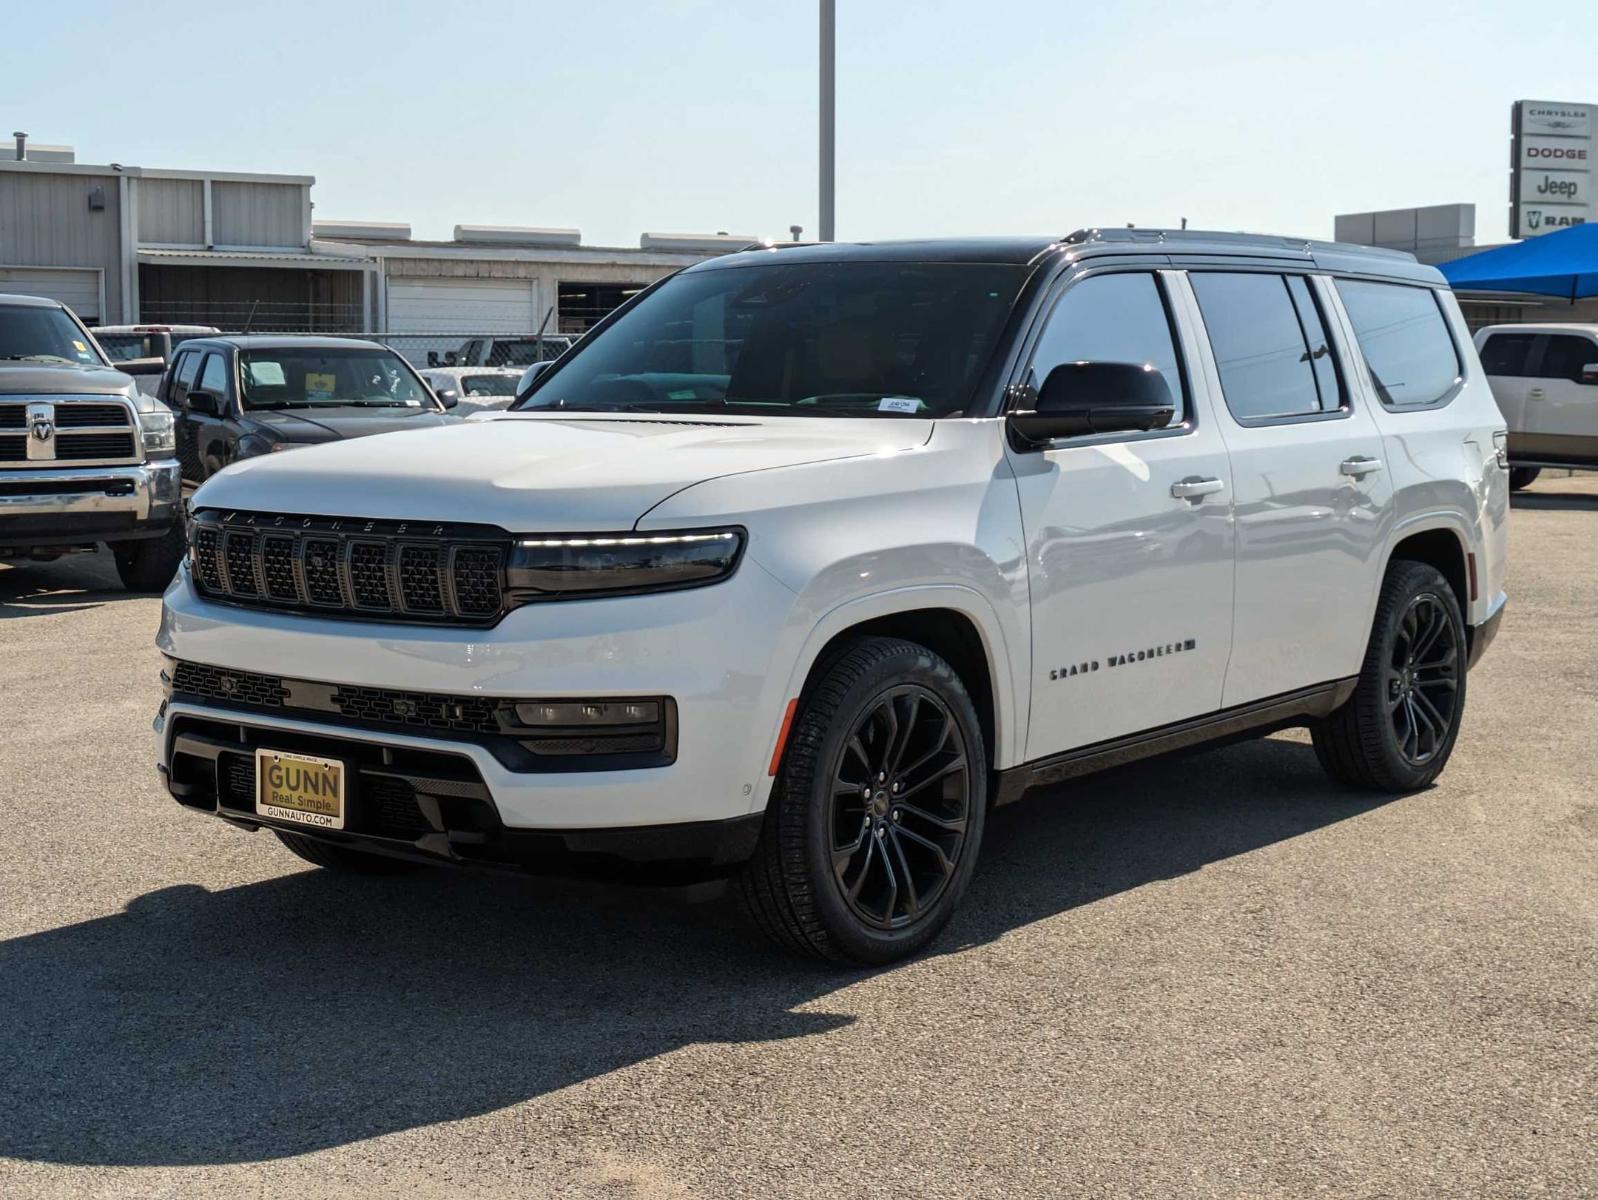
<point x="214" y="377"/>
<point x="183" y="373"/>
<point x="1267" y="366"/>
<point x="1507" y="353"/>
<point x="1405" y="341"/>
<point x="1565" y="355"/>
<point x="1112" y="318"/>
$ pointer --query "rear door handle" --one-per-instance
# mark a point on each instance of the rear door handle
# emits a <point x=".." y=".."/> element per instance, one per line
<point x="1535" y="394"/>
<point x="1360" y="466"/>
<point x="1195" y="488"/>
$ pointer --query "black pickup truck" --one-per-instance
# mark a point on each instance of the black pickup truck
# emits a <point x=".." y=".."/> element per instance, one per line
<point x="85" y="457"/>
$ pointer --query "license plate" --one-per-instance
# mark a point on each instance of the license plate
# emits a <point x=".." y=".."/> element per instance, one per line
<point x="299" y="788"/>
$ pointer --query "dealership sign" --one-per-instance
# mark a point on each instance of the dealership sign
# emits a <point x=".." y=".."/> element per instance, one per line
<point x="1551" y="175"/>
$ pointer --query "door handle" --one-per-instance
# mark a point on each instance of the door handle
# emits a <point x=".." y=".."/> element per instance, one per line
<point x="1195" y="488"/>
<point x="1360" y="465"/>
<point x="1535" y="394"/>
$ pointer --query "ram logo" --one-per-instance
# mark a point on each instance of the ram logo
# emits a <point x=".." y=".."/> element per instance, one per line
<point x="42" y="428"/>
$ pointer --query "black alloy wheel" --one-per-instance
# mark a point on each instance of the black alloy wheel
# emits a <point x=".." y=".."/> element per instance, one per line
<point x="1423" y="679"/>
<point x="875" y="818"/>
<point x="901" y="802"/>
<point x="1398" y="728"/>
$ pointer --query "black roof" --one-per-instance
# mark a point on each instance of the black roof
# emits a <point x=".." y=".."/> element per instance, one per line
<point x="1171" y="244"/>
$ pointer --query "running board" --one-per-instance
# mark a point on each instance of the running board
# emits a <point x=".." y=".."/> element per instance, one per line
<point x="1230" y="724"/>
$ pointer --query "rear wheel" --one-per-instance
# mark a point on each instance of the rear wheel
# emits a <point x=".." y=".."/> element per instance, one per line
<point x="1396" y="732"/>
<point x="148" y="565"/>
<point x="874" y="825"/>
<point x="1523" y="477"/>
<point x="343" y="858"/>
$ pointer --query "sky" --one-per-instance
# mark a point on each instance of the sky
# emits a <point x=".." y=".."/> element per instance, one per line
<point x="969" y="117"/>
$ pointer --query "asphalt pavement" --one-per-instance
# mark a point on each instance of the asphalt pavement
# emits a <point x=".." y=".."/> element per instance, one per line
<point x="1219" y="975"/>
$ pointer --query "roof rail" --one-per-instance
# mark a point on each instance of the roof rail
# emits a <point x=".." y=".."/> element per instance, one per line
<point x="1258" y="240"/>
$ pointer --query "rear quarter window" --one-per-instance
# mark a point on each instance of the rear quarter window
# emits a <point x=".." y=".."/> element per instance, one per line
<point x="1404" y="339"/>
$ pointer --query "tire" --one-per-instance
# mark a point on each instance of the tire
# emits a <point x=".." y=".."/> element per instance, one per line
<point x="148" y="565"/>
<point x="343" y="858"/>
<point x="1396" y="732"/>
<point x="1523" y="477"/>
<point x="894" y="719"/>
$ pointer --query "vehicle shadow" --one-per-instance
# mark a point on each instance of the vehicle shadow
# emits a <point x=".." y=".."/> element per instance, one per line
<point x="1548" y="500"/>
<point x="72" y="583"/>
<point x="313" y="1010"/>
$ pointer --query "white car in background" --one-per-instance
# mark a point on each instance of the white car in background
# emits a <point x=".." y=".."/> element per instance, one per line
<point x="1545" y="379"/>
<point x="473" y="389"/>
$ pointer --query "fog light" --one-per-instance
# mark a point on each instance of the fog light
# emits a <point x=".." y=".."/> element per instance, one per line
<point x="587" y="713"/>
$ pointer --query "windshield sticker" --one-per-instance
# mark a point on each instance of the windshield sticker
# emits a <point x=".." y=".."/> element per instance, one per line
<point x="79" y="346"/>
<point x="904" y="404"/>
<point x="265" y="374"/>
<point x="318" y="386"/>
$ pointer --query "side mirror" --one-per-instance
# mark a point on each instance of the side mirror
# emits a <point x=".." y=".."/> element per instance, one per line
<point x="207" y="403"/>
<point x="142" y="366"/>
<point x="432" y="358"/>
<point x="1589" y="373"/>
<point x="448" y="397"/>
<point x="1080" y="398"/>
<point x="530" y="377"/>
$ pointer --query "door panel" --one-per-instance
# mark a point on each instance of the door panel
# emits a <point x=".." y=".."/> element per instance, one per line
<point x="1561" y="412"/>
<point x="1312" y="502"/>
<point x="1505" y="358"/>
<point x="1131" y="585"/>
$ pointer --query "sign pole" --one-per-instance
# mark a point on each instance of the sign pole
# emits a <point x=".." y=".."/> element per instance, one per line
<point x="828" y="114"/>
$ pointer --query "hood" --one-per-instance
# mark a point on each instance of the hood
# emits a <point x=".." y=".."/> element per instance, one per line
<point x="540" y="473"/>
<point x="331" y="423"/>
<point x="61" y="379"/>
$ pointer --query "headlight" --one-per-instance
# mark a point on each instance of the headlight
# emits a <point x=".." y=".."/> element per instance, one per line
<point x="559" y="567"/>
<point x="157" y="428"/>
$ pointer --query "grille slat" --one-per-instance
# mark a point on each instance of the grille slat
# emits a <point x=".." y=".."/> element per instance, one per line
<point x="76" y="416"/>
<point x="76" y="447"/>
<point x="374" y="570"/>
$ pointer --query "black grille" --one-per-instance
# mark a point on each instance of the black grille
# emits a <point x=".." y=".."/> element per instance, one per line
<point x="76" y="447"/>
<point x="382" y="570"/>
<point x="376" y="804"/>
<point x="13" y="446"/>
<point x="369" y="575"/>
<point x="417" y="710"/>
<point x="77" y="416"/>
<point x="238" y="557"/>
<point x="13" y="416"/>
<point x="236" y="687"/>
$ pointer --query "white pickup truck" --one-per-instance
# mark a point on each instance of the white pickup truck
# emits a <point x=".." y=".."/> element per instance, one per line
<point x="807" y="556"/>
<point x="1545" y="379"/>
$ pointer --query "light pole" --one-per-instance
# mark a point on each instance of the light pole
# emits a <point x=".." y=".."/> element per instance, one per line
<point x="829" y="37"/>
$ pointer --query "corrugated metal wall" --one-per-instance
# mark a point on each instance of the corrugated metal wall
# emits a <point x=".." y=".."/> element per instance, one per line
<point x="45" y="220"/>
<point x="171" y="212"/>
<point x="257" y="214"/>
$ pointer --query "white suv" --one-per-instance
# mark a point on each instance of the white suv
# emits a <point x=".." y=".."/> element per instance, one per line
<point x="809" y="555"/>
<point x="1545" y="378"/>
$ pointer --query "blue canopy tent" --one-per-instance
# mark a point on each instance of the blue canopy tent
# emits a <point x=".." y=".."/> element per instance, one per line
<point x="1563" y="264"/>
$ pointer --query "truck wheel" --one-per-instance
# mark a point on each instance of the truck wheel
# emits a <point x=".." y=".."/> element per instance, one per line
<point x="343" y="858"/>
<point x="148" y="565"/>
<point x="1523" y="477"/>
<point x="1396" y="732"/>
<point x="876" y="818"/>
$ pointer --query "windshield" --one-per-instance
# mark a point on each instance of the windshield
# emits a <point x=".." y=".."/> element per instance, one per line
<point x="524" y="352"/>
<point x="124" y="347"/>
<point x="804" y="339"/>
<point x="322" y="378"/>
<point x="489" y="385"/>
<point x="45" y="335"/>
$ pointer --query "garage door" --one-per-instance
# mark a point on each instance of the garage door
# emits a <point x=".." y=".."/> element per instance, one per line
<point x="77" y="288"/>
<point x="460" y="306"/>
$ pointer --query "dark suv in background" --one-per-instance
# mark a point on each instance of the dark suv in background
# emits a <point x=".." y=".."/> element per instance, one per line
<point x="238" y="397"/>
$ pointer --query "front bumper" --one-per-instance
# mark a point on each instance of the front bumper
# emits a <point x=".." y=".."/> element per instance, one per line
<point x="64" y="506"/>
<point x="706" y="649"/>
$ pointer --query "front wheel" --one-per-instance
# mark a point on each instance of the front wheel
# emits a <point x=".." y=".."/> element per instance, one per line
<point x="1523" y="477"/>
<point x="148" y="565"/>
<point x="1396" y="732"/>
<point x="876" y="818"/>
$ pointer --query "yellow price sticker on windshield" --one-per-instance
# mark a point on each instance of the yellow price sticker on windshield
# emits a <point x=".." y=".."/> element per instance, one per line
<point x="320" y="385"/>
